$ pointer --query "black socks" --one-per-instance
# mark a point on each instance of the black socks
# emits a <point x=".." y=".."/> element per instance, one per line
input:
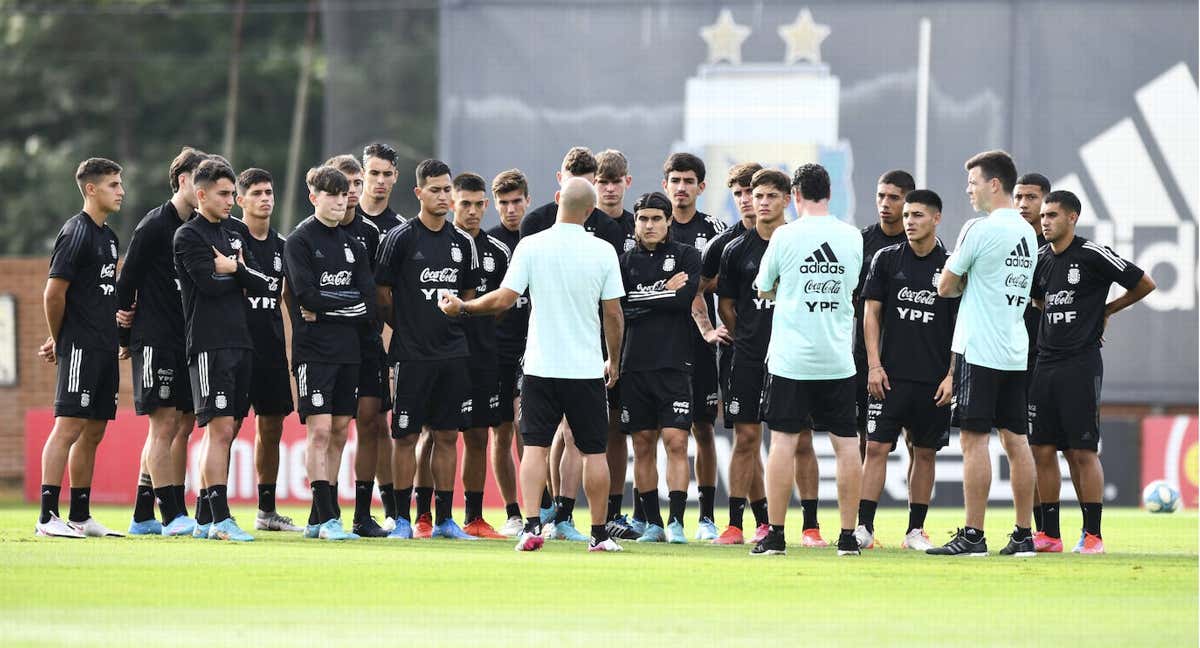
<point x="708" y="494"/>
<point x="810" y="514"/>
<point x="737" y="507"/>
<point x="50" y="502"/>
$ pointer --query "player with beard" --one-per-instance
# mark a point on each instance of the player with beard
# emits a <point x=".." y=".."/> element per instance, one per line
<point x="81" y="303"/>
<point x="418" y="260"/>
<point x="683" y="182"/>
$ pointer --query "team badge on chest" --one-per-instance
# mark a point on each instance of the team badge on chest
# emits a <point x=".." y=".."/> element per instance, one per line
<point x="668" y="264"/>
<point x="278" y="263"/>
<point x="113" y="247"/>
<point x="937" y="274"/>
<point x="489" y="263"/>
<point x="349" y="254"/>
<point x="1073" y="274"/>
<point x="456" y="254"/>
<point x="629" y="243"/>
<point x="701" y="243"/>
<point x="235" y="243"/>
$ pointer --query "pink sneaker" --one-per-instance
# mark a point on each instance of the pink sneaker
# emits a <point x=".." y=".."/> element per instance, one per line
<point x="606" y="545"/>
<point x="812" y="538"/>
<point x="1043" y="543"/>
<point x="760" y="533"/>
<point x="1092" y="544"/>
<point x="530" y="542"/>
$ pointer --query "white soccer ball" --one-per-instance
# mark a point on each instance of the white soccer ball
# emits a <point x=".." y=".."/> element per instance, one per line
<point x="1160" y="497"/>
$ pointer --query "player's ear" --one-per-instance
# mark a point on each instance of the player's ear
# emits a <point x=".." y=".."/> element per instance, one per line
<point x="701" y="186"/>
<point x="238" y="198"/>
<point x="628" y="181"/>
<point x="556" y="195"/>
<point x="312" y="198"/>
<point x="417" y="192"/>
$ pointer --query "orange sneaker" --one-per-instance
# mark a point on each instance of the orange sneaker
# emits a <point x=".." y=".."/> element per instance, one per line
<point x="730" y="536"/>
<point x="760" y="533"/>
<point x="481" y="529"/>
<point x="812" y="538"/>
<point x="1043" y="543"/>
<point x="424" y="526"/>
<point x="1092" y="544"/>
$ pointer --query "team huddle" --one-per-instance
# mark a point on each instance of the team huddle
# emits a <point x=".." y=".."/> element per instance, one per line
<point x="580" y="324"/>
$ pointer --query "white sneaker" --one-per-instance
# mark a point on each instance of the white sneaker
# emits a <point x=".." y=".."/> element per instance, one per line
<point x="93" y="529"/>
<point x="388" y="524"/>
<point x="917" y="540"/>
<point x="866" y="539"/>
<point x="55" y="527"/>
<point x="607" y="545"/>
<point x="273" y="521"/>
<point x="512" y="527"/>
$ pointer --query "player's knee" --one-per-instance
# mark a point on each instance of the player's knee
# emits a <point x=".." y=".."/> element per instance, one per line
<point x="924" y="456"/>
<point x="676" y="445"/>
<point x="643" y="445"/>
<point x="475" y="439"/>
<point x="878" y="451"/>
<point x="445" y="439"/>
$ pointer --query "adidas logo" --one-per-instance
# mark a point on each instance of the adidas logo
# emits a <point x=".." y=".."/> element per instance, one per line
<point x="1020" y="257"/>
<point x="319" y="255"/>
<point x="822" y="261"/>
<point x="418" y="256"/>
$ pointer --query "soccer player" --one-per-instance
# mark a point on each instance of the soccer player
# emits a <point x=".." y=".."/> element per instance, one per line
<point x="1071" y="282"/>
<point x="908" y="330"/>
<point x="568" y="274"/>
<point x="808" y="269"/>
<point x="80" y="301"/>
<point x="155" y="345"/>
<point x="470" y="203"/>
<point x="510" y="194"/>
<point x="210" y="263"/>
<point x="998" y="253"/>
<point x="270" y="384"/>
<point x="683" y="181"/>
<point x="660" y="277"/>
<point x="417" y="260"/>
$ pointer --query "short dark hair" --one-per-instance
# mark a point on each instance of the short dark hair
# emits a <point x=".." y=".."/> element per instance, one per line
<point x="251" y="177"/>
<point x="381" y="151"/>
<point x="653" y="200"/>
<point x="186" y="162"/>
<point x="1064" y="198"/>
<point x="92" y="169"/>
<point x="924" y="197"/>
<point x="345" y="163"/>
<point x="1036" y="179"/>
<point x="431" y="169"/>
<point x="579" y="161"/>
<point x="899" y="178"/>
<point x="773" y="177"/>
<point x="468" y="181"/>
<point x="212" y="170"/>
<point x="684" y="162"/>
<point x="741" y="174"/>
<point x="611" y="164"/>
<point x="993" y="165"/>
<point x="511" y="180"/>
<point x="328" y="179"/>
<point x="812" y="181"/>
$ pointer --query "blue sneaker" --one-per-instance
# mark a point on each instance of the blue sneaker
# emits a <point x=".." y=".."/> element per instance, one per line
<point x="311" y="531"/>
<point x="1079" y="545"/>
<point x="653" y="533"/>
<point x="402" y="531"/>
<point x="145" y="527"/>
<point x="567" y="531"/>
<point x="450" y="530"/>
<point x="180" y="526"/>
<point x="675" y="534"/>
<point x="638" y="525"/>
<point x="201" y="531"/>
<point x="227" y="529"/>
<point x="707" y="531"/>
<point x="332" y="530"/>
<point x="547" y="514"/>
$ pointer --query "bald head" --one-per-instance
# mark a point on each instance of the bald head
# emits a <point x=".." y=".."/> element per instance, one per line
<point x="576" y="200"/>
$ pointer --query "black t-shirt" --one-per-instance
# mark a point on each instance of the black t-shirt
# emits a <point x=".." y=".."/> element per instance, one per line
<point x="874" y="240"/>
<point x="710" y="262"/>
<point x="1033" y="317"/>
<point x="85" y="254"/>
<point x="384" y="221"/>
<point x="917" y="325"/>
<point x="601" y="225"/>
<point x="416" y="262"/>
<point x="739" y="267"/>
<point x="263" y="311"/>
<point x="494" y="256"/>
<point x="148" y="277"/>
<point x="656" y="319"/>
<point x="329" y="274"/>
<point x="1074" y="288"/>
<point x="513" y="328"/>
<point x="698" y="233"/>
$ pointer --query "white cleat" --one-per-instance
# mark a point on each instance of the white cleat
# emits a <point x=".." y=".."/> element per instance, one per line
<point x="56" y="527"/>
<point x="512" y="527"/>
<point x="388" y="524"/>
<point x="866" y="539"/>
<point x="917" y="540"/>
<point x="273" y="521"/>
<point x="93" y="529"/>
<point x="607" y="545"/>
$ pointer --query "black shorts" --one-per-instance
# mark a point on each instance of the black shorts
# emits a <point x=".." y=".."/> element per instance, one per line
<point x="909" y="405"/>
<point x="326" y="388"/>
<point x="656" y="399"/>
<point x="485" y="395"/>
<point x="743" y="399"/>
<point x="724" y="368"/>
<point x="545" y="401"/>
<point x="821" y="405"/>
<point x="434" y="393"/>
<point x="160" y="379"/>
<point x="992" y="398"/>
<point x="1064" y="403"/>
<point x="221" y="383"/>
<point x="374" y="377"/>
<point x="956" y="386"/>
<point x="704" y="383"/>
<point x="88" y="382"/>
<point x="271" y="391"/>
<point x="509" y="381"/>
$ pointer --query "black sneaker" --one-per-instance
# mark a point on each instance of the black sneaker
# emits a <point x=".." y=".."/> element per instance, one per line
<point x="620" y="529"/>
<point x="771" y="545"/>
<point x="1019" y="548"/>
<point x="960" y="546"/>
<point x="369" y="528"/>
<point x="848" y="545"/>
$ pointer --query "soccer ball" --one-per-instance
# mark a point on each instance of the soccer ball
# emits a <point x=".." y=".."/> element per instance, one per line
<point x="1160" y="497"/>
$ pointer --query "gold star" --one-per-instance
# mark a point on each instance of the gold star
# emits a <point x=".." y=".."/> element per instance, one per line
<point x="725" y="39"/>
<point x="803" y="38"/>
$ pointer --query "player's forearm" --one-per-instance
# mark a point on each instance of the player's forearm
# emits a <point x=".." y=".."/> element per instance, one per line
<point x="383" y="301"/>
<point x="54" y="302"/>
<point x="1144" y="287"/>
<point x="950" y="285"/>
<point x="728" y="314"/>
<point x="700" y="314"/>
<point x="871" y="315"/>
<point x="492" y="303"/>
<point x="614" y="332"/>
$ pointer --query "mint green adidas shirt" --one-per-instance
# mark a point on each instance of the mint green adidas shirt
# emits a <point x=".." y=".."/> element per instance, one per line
<point x="998" y="255"/>
<point x="816" y="261"/>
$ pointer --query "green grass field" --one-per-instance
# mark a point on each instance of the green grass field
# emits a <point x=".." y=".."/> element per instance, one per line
<point x="282" y="590"/>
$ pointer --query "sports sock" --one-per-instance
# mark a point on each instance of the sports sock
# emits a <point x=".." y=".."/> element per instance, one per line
<point x="180" y="503"/>
<point x="676" y="503"/>
<point x="1022" y="533"/>
<point x="566" y="508"/>
<point x="708" y="494"/>
<point x="533" y="524"/>
<point x="916" y="516"/>
<point x="512" y="510"/>
<point x="362" y="500"/>
<point x="737" y="507"/>
<point x="973" y="534"/>
<point x="333" y="498"/>
<point x="81" y="500"/>
<point x="49" y="502"/>
<point x="314" y="517"/>
<point x="650" y="506"/>
<point x="599" y="533"/>
<point x="143" y="506"/>
<point x="547" y="502"/>
<point x="443" y="501"/>
<point x="759" y="509"/>
<point x="424" y="500"/>
<point x="866" y="514"/>
<point x="1039" y="517"/>
<point x="403" y="499"/>
<point x="639" y="512"/>
<point x="614" y="506"/>
<point x="1092" y="512"/>
<point x="809" y="507"/>
<point x="166" y="503"/>
<point x="473" y="507"/>
<point x="218" y="502"/>
<point x="1050" y="519"/>
<point x="203" y="512"/>
<point x="266" y="497"/>
<point x="322" y="501"/>
<point x="387" y="493"/>
<point x="776" y="530"/>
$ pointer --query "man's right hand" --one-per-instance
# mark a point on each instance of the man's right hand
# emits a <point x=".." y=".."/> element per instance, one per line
<point x="223" y="264"/>
<point x="612" y="371"/>
<point x="877" y="383"/>
<point x="47" y="351"/>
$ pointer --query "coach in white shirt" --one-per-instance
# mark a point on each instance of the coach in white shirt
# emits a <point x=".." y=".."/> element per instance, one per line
<point x="567" y="272"/>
